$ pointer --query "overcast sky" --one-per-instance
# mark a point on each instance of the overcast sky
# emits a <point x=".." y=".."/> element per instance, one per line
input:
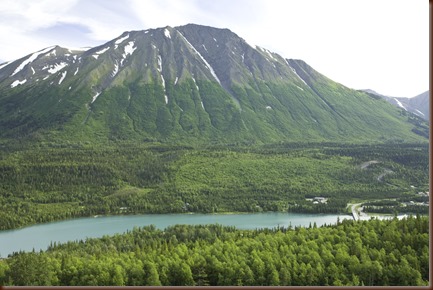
<point x="363" y="44"/>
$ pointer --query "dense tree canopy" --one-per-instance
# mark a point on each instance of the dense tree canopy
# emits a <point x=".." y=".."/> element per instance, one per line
<point x="387" y="252"/>
<point x="54" y="182"/>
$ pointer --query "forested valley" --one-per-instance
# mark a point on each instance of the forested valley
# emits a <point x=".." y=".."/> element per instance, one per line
<point x="375" y="252"/>
<point x="56" y="182"/>
<point x="52" y="182"/>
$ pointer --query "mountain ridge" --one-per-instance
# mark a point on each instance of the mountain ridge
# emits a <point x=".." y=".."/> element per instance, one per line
<point x="418" y="105"/>
<point x="185" y="84"/>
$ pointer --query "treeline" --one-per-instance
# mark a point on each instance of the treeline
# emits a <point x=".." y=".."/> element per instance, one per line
<point x="401" y="205"/>
<point x="411" y="208"/>
<point x="376" y="252"/>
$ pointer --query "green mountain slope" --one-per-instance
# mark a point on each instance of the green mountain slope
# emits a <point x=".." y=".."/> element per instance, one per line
<point x="186" y="84"/>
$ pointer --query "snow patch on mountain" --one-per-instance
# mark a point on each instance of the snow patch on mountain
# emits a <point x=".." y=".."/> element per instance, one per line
<point x="63" y="77"/>
<point x="76" y="70"/>
<point x="163" y="81"/>
<point x="102" y="50"/>
<point x="159" y="68"/>
<point x="120" y="40"/>
<point x="17" y="82"/>
<point x="31" y="59"/>
<point x="165" y="92"/>
<point x="129" y="49"/>
<point x="195" y="84"/>
<point x="95" y="96"/>
<point x="72" y="49"/>
<point x="203" y="59"/>
<point x="33" y="70"/>
<point x="167" y="33"/>
<point x="294" y="71"/>
<point x="5" y="64"/>
<point x="419" y="112"/>
<point x="57" y="67"/>
<point x="175" y="81"/>
<point x="159" y="63"/>
<point x="267" y="52"/>
<point x="400" y="104"/>
<point x="115" y="70"/>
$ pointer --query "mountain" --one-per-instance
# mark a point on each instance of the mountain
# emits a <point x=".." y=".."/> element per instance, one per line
<point x="421" y="104"/>
<point x="418" y="105"/>
<point x="184" y="84"/>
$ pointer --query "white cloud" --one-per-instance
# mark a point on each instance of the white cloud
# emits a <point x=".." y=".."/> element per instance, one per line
<point x="105" y="19"/>
<point x="19" y="20"/>
<point x="22" y="21"/>
<point x="161" y="13"/>
<point x="24" y="16"/>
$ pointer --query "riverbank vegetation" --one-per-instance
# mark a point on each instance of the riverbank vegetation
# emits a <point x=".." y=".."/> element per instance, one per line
<point x="413" y="204"/>
<point x="48" y="182"/>
<point x="375" y="252"/>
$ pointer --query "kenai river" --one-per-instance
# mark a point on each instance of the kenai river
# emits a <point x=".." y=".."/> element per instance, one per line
<point x="40" y="236"/>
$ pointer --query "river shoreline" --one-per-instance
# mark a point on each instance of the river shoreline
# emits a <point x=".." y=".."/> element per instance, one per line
<point x="42" y="235"/>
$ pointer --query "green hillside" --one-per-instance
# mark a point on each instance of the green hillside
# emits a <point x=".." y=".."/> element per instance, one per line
<point x="188" y="85"/>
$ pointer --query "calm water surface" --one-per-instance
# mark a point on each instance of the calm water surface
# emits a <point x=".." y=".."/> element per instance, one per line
<point x="40" y="236"/>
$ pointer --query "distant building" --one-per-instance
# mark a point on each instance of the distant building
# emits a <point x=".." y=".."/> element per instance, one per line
<point x="317" y="200"/>
<point x="320" y="199"/>
<point x="424" y="193"/>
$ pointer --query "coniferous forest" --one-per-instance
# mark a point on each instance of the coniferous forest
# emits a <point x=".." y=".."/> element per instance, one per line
<point x="387" y="252"/>
<point x="64" y="181"/>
